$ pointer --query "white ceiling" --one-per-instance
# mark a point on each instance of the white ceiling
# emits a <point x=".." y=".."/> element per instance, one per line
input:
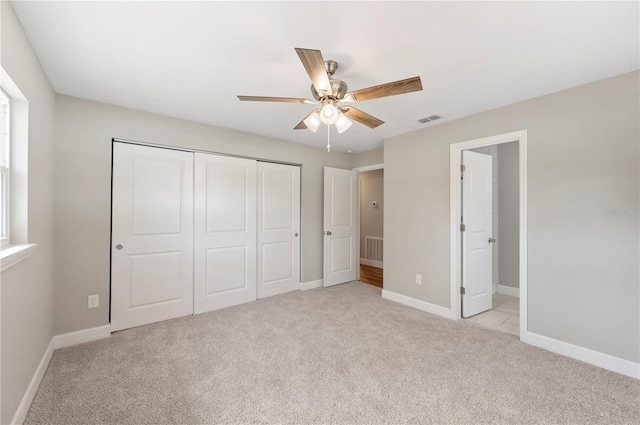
<point x="191" y="59"/>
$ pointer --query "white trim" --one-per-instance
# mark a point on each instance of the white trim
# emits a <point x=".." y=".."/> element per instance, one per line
<point x="369" y="168"/>
<point x="58" y="341"/>
<point x="312" y="284"/>
<point x="372" y="263"/>
<point x="13" y="254"/>
<point x="596" y="358"/>
<point x="509" y="290"/>
<point x="455" y="151"/>
<point x="30" y="393"/>
<point x="79" y="337"/>
<point x="419" y="304"/>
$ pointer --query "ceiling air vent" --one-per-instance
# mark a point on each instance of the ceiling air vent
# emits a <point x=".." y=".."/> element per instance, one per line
<point x="429" y="119"/>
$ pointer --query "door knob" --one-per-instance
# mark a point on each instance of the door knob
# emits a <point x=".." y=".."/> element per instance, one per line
<point x="119" y="246"/>
<point x="328" y="233"/>
<point x="296" y="235"/>
<point x="492" y="240"/>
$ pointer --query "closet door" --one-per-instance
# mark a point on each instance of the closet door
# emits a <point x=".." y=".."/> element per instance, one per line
<point x="152" y="235"/>
<point x="225" y="231"/>
<point x="278" y="229"/>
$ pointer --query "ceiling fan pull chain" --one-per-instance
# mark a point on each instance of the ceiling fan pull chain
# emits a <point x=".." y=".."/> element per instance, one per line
<point x="328" y="138"/>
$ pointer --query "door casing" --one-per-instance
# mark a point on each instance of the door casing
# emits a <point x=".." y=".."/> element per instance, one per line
<point x="455" y="190"/>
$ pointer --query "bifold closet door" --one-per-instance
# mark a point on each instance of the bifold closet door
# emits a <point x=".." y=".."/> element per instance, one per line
<point x="225" y="232"/>
<point x="278" y="228"/>
<point x="152" y="235"/>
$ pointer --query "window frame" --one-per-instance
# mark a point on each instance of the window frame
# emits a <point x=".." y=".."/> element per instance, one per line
<point x="5" y="170"/>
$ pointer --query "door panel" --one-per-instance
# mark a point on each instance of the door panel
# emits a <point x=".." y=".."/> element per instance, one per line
<point x="152" y="220"/>
<point x="476" y="247"/>
<point x="153" y="277"/>
<point x="341" y="254"/>
<point x="226" y="269"/>
<point x="225" y="231"/>
<point x="278" y="228"/>
<point x="340" y="226"/>
<point x="156" y="198"/>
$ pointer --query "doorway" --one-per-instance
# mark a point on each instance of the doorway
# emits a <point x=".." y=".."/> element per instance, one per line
<point x="482" y="290"/>
<point x="371" y="224"/>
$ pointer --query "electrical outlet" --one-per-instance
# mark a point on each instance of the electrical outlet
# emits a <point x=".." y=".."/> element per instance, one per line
<point x="94" y="301"/>
<point x="419" y="279"/>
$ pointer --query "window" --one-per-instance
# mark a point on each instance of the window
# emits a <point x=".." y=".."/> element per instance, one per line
<point x="14" y="141"/>
<point x="4" y="169"/>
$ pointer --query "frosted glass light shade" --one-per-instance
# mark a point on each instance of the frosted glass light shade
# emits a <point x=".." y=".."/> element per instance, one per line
<point x="343" y="123"/>
<point x="312" y="122"/>
<point x="329" y="114"/>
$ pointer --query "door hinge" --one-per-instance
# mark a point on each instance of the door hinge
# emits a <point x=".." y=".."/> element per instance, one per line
<point x="462" y="168"/>
<point x="462" y="291"/>
<point x="462" y="227"/>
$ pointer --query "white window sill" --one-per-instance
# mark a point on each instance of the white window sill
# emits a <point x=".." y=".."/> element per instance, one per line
<point x="13" y="254"/>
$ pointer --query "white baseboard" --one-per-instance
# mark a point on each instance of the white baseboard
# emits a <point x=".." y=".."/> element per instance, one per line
<point x="30" y="393"/>
<point x="419" y="304"/>
<point x="78" y="337"/>
<point x="312" y="284"/>
<point x="509" y="290"/>
<point x="58" y="341"/>
<point x="372" y="263"/>
<point x="596" y="358"/>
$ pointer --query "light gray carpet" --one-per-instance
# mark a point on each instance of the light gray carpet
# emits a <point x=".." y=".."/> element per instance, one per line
<point x="336" y="355"/>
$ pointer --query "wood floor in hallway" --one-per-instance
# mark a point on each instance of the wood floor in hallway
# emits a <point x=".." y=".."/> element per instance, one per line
<point x="371" y="275"/>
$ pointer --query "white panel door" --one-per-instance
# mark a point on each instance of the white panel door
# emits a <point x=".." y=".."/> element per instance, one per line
<point x="278" y="229"/>
<point x="152" y="235"/>
<point x="476" y="239"/>
<point x="225" y="232"/>
<point x="340" y="226"/>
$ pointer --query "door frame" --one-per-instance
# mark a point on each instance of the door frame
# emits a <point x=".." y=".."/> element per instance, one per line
<point x="455" y="150"/>
<point x="359" y="170"/>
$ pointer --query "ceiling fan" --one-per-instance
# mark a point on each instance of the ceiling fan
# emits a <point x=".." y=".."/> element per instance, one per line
<point x="332" y="94"/>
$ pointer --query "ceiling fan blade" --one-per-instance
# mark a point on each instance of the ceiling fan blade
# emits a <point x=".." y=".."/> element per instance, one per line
<point x="314" y="64"/>
<point x="407" y="85"/>
<point x="301" y="125"/>
<point x="274" y="99"/>
<point x="362" y="117"/>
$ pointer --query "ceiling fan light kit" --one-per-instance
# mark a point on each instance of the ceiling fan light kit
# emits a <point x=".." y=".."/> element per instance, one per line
<point x="331" y="92"/>
<point x="313" y="121"/>
<point x="329" y="113"/>
<point x="342" y="123"/>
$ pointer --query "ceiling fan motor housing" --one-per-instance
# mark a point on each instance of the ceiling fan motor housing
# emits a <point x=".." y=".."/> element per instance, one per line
<point x="338" y="87"/>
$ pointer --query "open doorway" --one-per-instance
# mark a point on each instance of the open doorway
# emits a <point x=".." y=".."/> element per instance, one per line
<point x="488" y="232"/>
<point x="371" y="224"/>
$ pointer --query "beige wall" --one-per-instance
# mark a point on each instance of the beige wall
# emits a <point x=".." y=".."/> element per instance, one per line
<point x="27" y="288"/>
<point x="509" y="221"/>
<point x="371" y="219"/>
<point x="583" y="151"/>
<point x="371" y="157"/>
<point x="84" y="130"/>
